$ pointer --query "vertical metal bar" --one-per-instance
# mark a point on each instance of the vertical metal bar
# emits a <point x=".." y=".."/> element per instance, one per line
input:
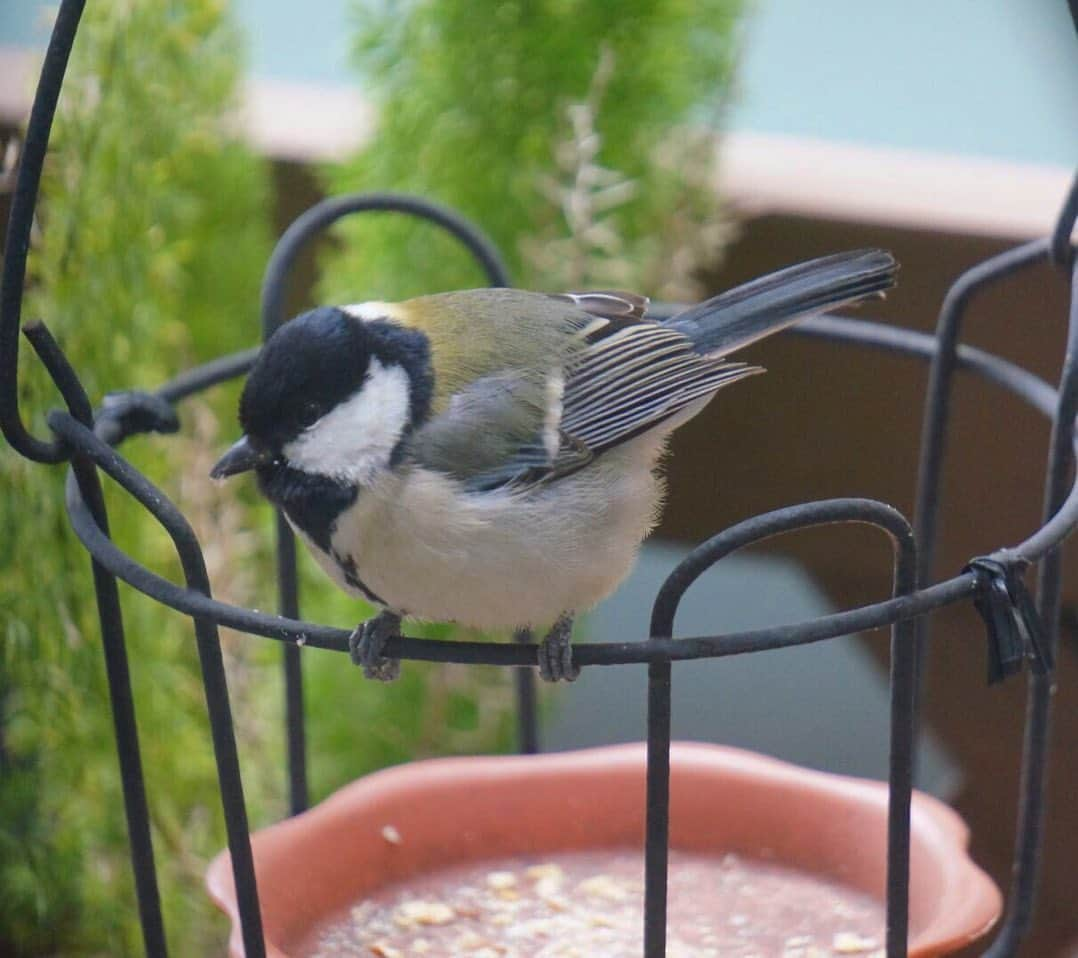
<point x="527" y="719"/>
<point x="930" y="472"/>
<point x="295" y="721"/>
<point x="527" y="706"/>
<point x="527" y="726"/>
<point x="657" y="835"/>
<point x="214" y="683"/>
<point x="231" y="785"/>
<point x="20" y="222"/>
<point x="938" y="397"/>
<point x="937" y="417"/>
<point x="125" y="727"/>
<point x="1033" y="786"/>
<point x="903" y="735"/>
<point x="904" y="707"/>
<point x="84" y="479"/>
<point x="298" y="234"/>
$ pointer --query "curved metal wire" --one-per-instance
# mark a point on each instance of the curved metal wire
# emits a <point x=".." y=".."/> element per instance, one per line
<point x="84" y="483"/>
<point x="1029" y="837"/>
<point x="913" y="596"/>
<point x="20" y="223"/>
<point x="664" y="611"/>
<point x="117" y="671"/>
<point x="1023" y="384"/>
<point x="328" y="211"/>
<point x="658" y="650"/>
<point x="299" y="234"/>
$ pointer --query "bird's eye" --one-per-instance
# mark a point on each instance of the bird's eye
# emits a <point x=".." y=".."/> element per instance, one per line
<point x="310" y="412"/>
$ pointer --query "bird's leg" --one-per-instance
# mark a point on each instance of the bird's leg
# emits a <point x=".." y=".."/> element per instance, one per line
<point x="367" y="642"/>
<point x="556" y="652"/>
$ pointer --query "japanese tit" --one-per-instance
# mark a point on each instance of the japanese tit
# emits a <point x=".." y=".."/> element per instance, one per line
<point x="488" y="457"/>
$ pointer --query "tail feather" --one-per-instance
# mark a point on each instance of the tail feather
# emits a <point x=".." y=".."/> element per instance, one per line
<point x="740" y="316"/>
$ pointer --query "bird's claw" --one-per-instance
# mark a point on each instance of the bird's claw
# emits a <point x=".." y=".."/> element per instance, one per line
<point x="556" y="653"/>
<point x="367" y="642"/>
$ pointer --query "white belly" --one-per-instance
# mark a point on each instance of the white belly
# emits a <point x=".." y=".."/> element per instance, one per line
<point x="501" y="559"/>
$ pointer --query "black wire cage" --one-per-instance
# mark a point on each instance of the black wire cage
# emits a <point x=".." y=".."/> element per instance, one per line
<point x="1021" y="629"/>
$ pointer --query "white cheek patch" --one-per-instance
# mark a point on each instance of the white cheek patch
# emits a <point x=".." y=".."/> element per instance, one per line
<point x="355" y="440"/>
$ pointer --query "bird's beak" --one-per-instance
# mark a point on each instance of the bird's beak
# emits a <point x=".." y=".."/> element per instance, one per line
<point x="242" y="457"/>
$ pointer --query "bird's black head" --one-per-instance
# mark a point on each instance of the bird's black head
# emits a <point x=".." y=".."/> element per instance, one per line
<point x="332" y="395"/>
<point x="307" y="367"/>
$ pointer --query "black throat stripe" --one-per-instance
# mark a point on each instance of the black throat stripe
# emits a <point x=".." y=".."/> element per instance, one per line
<point x="351" y="576"/>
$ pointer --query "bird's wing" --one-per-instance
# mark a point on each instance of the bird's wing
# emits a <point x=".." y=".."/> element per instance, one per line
<point x="628" y="375"/>
<point x="632" y="378"/>
<point x="499" y="430"/>
<point x="613" y="304"/>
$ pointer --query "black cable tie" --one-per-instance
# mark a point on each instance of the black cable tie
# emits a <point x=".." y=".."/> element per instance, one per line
<point x="132" y="412"/>
<point x="1015" y="629"/>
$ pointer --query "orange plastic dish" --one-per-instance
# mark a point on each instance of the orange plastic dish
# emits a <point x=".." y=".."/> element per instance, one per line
<point x="458" y="810"/>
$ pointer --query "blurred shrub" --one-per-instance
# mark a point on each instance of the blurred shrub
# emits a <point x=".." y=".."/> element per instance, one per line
<point x="152" y="235"/>
<point x="560" y="126"/>
<point x="578" y="134"/>
<point x="568" y="129"/>
<point x="150" y="242"/>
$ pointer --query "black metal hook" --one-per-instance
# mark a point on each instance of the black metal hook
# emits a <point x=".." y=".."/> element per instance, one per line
<point x="133" y="412"/>
<point x="1015" y="630"/>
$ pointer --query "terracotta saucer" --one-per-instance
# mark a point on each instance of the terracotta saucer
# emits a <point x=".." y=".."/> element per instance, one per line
<point x="457" y="810"/>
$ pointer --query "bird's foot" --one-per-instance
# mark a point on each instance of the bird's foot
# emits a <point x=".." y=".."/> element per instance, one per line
<point x="367" y="642"/>
<point x="556" y="652"/>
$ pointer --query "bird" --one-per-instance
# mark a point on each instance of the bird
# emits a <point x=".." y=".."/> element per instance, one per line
<point x="491" y="457"/>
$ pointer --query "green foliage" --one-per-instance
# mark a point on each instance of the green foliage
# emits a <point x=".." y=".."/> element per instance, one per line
<point x="549" y="122"/>
<point x="152" y="237"/>
<point x="558" y="125"/>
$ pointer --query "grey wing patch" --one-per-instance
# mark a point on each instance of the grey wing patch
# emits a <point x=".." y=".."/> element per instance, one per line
<point x="500" y="431"/>
<point x="532" y="464"/>
<point x="509" y="430"/>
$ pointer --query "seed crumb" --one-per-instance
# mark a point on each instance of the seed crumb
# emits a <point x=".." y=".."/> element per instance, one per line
<point x="851" y="943"/>
<point x="545" y="871"/>
<point x="423" y="913"/>
<point x="603" y="886"/>
<point x="500" y="880"/>
<point x="590" y="904"/>
<point x="555" y="902"/>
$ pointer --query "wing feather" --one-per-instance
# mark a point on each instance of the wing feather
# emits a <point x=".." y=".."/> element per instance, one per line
<point x="630" y="375"/>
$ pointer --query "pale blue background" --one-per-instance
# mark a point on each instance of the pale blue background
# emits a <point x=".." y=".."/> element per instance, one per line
<point x="990" y="78"/>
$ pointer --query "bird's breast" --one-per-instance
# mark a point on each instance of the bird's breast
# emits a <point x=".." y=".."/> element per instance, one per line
<point x="499" y="559"/>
